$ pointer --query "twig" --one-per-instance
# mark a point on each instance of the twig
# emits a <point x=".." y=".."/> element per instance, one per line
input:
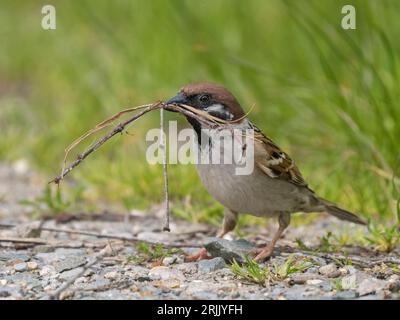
<point x="164" y="159"/>
<point x="107" y="250"/>
<point x="98" y="144"/>
<point x="23" y="240"/>
<point x="340" y="257"/>
<point x="95" y="234"/>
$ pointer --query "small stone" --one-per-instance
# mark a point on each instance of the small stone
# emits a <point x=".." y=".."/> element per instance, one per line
<point x="206" y="266"/>
<point x="369" y="286"/>
<point x="167" y="261"/>
<point x="301" y="278"/>
<point x="350" y="269"/>
<point x="70" y="274"/>
<point x="43" y="249"/>
<point x="229" y="250"/>
<point x="345" y="295"/>
<point x="330" y="271"/>
<point x="3" y="282"/>
<point x="314" y="282"/>
<point x="393" y="283"/>
<point x="81" y="280"/>
<point x="6" y="256"/>
<point x="112" y="275"/>
<point x="66" y="295"/>
<point x="188" y="267"/>
<point x="343" y="271"/>
<point x="32" y="265"/>
<point x="20" y="267"/>
<point x="47" y="270"/>
<point x="312" y="270"/>
<point x="165" y="273"/>
<point x="71" y="263"/>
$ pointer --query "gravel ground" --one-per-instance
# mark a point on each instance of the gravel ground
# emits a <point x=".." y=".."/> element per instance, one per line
<point x="122" y="270"/>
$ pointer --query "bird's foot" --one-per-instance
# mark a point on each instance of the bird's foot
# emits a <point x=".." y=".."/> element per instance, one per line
<point x="200" y="255"/>
<point x="262" y="254"/>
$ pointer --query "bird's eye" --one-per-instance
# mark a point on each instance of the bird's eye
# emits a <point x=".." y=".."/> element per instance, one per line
<point x="204" y="98"/>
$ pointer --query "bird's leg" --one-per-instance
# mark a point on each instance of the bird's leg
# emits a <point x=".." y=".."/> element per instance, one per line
<point x="229" y="223"/>
<point x="265" y="252"/>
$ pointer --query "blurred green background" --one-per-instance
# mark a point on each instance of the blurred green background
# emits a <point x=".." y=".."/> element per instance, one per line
<point x="328" y="96"/>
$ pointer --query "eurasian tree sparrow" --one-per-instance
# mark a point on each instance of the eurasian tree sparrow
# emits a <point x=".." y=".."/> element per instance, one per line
<point x="275" y="188"/>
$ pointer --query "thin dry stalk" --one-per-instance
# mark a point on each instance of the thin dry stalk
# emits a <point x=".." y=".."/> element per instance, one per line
<point x="119" y="128"/>
<point x="164" y="158"/>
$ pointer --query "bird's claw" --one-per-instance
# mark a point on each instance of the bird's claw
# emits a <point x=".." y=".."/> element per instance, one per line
<point x="200" y="255"/>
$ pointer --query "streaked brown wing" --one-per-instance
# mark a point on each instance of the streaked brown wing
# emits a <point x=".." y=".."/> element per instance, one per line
<point x="274" y="162"/>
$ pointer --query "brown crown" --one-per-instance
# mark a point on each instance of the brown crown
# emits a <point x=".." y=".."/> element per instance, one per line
<point x="218" y="93"/>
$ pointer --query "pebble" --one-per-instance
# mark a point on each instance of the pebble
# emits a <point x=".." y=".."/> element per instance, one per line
<point x="167" y="261"/>
<point x="112" y="275"/>
<point x="301" y="278"/>
<point x="47" y="270"/>
<point x="165" y="273"/>
<point x="344" y="295"/>
<point x="369" y="286"/>
<point x="206" y="266"/>
<point x="6" y="256"/>
<point x="32" y="265"/>
<point x="314" y="282"/>
<point x="329" y="270"/>
<point x="70" y="274"/>
<point x="229" y="250"/>
<point x="20" y="267"/>
<point x="70" y="263"/>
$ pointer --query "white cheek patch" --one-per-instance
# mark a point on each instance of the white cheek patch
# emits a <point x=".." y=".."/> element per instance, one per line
<point x="219" y="110"/>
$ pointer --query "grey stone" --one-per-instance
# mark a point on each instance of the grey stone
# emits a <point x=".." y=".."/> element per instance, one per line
<point x="113" y="294"/>
<point x="43" y="249"/>
<point x="350" y="269"/>
<point x="330" y="271"/>
<point x="167" y="261"/>
<point x="24" y="279"/>
<point x="70" y="252"/>
<point x="188" y="267"/>
<point x="70" y="274"/>
<point x="20" y="267"/>
<point x="6" y="256"/>
<point x="59" y="255"/>
<point x="301" y="278"/>
<point x="70" y="263"/>
<point x="206" y="266"/>
<point x="345" y="295"/>
<point x="201" y="290"/>
<point x="99" y="283"/>
<point x="165" y="273"/>
<point x="9" y="291"/>
<point x="369" y="286"/>
<point x="229" y="250"/>
<point x="137" y="273"/>
<point x="312" y="270"/>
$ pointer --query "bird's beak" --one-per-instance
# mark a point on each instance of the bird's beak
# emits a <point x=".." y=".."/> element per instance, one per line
<point x="178" y="99"/>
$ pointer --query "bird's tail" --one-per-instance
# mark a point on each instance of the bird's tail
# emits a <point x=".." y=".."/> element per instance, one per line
<point x="342" y="214"/>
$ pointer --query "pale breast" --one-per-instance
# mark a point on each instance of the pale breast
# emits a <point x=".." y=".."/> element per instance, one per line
<point x="255" y="194"/>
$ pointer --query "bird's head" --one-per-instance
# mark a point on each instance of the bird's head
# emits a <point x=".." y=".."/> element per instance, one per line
<point x="211" y="98"/>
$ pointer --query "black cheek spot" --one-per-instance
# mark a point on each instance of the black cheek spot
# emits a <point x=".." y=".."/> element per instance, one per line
<point x="276" y="155"/>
